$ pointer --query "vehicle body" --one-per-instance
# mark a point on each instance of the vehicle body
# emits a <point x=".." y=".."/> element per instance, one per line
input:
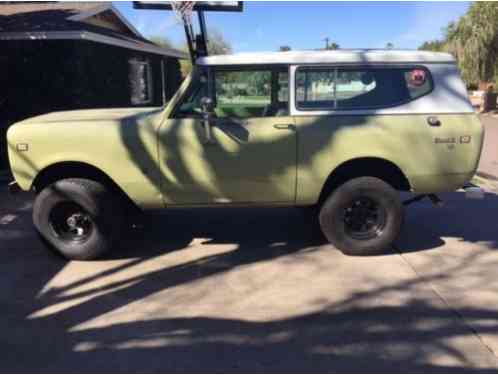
<point x="283" y="128"/>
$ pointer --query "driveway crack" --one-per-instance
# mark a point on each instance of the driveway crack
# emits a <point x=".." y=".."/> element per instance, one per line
<point x="460" y="317"/>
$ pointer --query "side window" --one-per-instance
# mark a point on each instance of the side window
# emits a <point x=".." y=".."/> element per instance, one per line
<point x="283" y="87"/>
<point x="315" y="88"/>
<point x="251" y="93"/>
<point x="242" y="94"/>
<point x="352" y="85"/>
<point x="191" y="105"/>
<point x="359" y="88"/>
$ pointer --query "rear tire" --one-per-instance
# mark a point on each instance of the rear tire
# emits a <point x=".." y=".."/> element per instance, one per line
<point x="362" y="217"/>
<point x="79" y="218"/>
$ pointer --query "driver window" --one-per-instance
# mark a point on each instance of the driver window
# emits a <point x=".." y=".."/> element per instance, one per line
<point x="191" y="106"/>
<point x="251" y="93"/>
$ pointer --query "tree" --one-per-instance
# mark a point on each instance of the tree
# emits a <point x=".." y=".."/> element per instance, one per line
<point x="161" y="41"/>
<point x="433" y="45"/>
<point x="217" y="44"/>
<point x="389" y="45"/>
<point x="330" y="46"/>
<point x="284" y="48"/>
<point x="474" y="42"/>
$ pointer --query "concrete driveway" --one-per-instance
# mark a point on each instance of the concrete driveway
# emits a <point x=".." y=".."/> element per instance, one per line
<point x="255" y="291"/>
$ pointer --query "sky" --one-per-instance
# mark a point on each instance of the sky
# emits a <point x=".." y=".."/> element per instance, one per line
<point x="267" y="25"/>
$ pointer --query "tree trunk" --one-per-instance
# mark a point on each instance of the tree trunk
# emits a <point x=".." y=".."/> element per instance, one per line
<point x="489" y="101"/>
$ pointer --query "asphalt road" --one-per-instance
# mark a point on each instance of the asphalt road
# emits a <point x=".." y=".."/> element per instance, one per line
<point x="255" y="290"/>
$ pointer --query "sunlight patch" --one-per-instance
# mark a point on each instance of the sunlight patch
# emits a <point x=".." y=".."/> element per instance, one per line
<point x="148" y="343"/>
<point x="7" y="219"/>
<point x="68" y="303"/>
<point x="86" y="346"/>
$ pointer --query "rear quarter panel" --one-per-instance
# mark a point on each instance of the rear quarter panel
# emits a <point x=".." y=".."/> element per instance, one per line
<point x="432" y="158"/>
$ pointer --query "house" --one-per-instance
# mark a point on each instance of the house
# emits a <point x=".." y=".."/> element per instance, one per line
<point x="72" y="55"/>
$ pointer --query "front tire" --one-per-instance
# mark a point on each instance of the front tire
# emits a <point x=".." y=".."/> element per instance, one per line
<point x="362" y="217"/>
<point x="79" y="218"/>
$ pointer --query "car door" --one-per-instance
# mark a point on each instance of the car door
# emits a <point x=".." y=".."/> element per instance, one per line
<point x="249" y="156"/>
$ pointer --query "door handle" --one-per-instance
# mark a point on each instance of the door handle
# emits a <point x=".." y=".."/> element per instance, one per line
<point x="433" y="121"/>
<point x="284" y="126"/>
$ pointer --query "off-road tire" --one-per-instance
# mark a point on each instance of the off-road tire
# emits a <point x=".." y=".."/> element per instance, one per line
<point x="333" y="220"/>
<point x="101" y="208"/>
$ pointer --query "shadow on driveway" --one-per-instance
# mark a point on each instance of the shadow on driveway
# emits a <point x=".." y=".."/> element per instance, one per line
<point x="124" y="314"/>
<point x="471" y="221"/>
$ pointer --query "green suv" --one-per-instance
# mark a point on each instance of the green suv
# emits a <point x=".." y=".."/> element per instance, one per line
<point x="341" y="131"/>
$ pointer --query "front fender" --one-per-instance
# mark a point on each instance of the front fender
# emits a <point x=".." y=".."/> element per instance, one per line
<point x="129" y="159"/>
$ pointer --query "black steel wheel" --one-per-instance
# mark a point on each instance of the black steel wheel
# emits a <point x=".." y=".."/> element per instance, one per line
<point x="70" y="222"/>
<point x="79" y="218"/>
<point x="362" y="217"/>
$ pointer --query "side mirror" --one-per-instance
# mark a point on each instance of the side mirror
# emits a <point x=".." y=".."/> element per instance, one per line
<point x="207" y="106"/>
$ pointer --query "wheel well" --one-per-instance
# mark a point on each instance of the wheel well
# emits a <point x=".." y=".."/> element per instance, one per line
<point x="65" y="170"/>
<point x="365" y="167"/>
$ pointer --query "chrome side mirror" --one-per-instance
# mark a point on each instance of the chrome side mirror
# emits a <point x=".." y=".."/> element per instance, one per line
<point x="207" y="106"/>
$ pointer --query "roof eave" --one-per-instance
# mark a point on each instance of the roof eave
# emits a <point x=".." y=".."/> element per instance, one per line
<point x="90" y="36"/>
<point x="92" y="12"/>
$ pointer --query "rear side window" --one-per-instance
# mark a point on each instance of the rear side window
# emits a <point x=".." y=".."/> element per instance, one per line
<point x="355" y="88"/>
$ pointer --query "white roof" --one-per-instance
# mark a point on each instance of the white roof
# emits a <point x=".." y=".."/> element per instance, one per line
<point x="335" y="56"/>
